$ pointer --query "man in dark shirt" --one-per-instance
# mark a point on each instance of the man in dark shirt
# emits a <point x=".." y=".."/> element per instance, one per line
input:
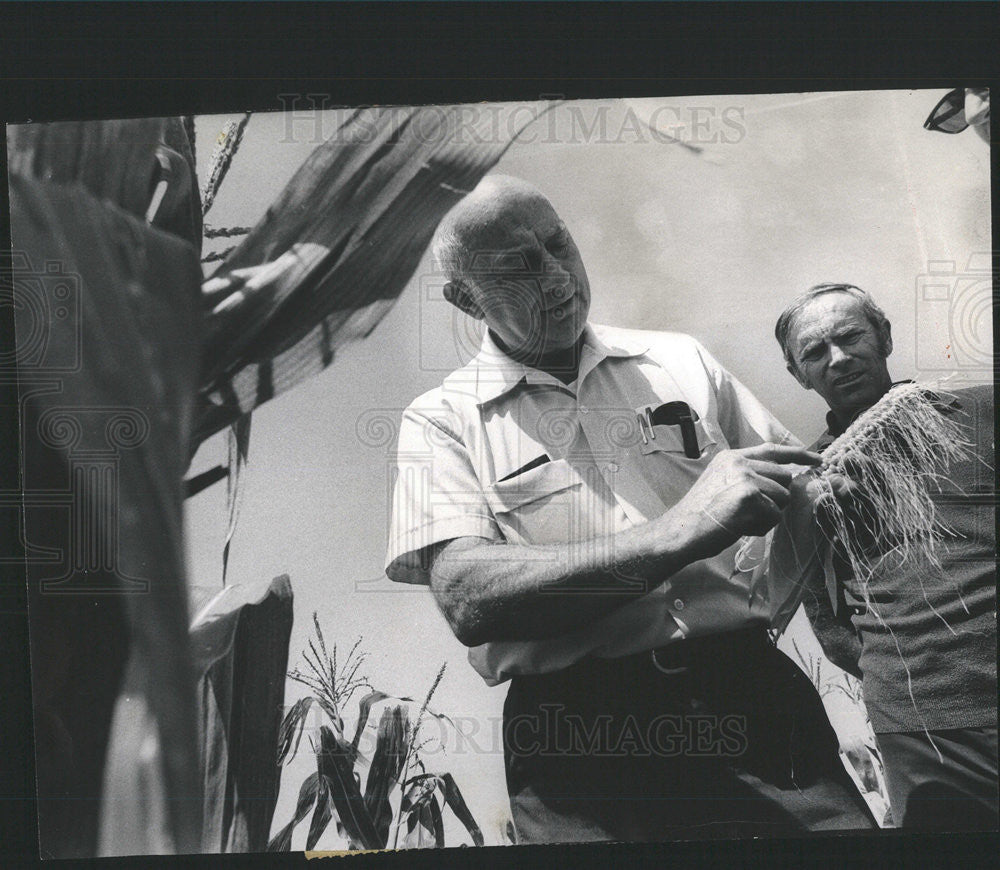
<point x="927" y="657"/>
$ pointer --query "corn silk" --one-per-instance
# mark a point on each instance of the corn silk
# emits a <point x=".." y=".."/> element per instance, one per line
<point x="894" y="454"/>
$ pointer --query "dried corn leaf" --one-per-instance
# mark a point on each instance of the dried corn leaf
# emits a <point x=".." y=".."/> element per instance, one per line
<point x="338" y="246"/>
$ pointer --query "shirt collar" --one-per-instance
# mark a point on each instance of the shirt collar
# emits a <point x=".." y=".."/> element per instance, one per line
<point x="497" y="374"/>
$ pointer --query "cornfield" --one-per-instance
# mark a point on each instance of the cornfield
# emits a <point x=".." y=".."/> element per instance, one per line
<point x="401" y="804"/>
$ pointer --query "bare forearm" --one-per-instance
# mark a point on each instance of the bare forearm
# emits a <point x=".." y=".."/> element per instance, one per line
<point x="494" y="592"/>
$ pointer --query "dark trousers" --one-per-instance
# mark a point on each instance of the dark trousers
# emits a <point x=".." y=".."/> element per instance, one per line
<point x="731" y="741"/>
<point x="954" y="792"/>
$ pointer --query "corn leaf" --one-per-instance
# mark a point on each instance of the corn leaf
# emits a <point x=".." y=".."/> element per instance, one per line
<point x="370" y="700"/>
<point x="438" y="823"/>
<point x="282" y="841"/>
<point x="321" y="815"/>
<point x="453" y="798"/>
<point x="421" y="788"/>
<point x="291" y="729"/>
<point x="387" y="764"/>
<point x="339" y="244"/>
<point x="424" y="826"/>
<point x="364" y="711"/>
<point x="141" y="342"/>
<point x="335" y="763"/>
<point x="510" y="832"/>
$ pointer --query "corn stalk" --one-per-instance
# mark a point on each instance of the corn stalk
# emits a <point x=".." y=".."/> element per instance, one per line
<point x="333" y="792"/>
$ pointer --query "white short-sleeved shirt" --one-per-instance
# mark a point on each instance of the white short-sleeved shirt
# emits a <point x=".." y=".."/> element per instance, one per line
<point x="508" y="453"/>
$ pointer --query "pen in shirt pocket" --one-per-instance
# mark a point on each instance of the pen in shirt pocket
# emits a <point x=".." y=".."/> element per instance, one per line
<point x="672" y="414"/>
<point x="535" y="463"/>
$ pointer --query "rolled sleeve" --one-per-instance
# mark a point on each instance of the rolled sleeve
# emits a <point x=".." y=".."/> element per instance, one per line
<point x="436" y="497"/>
<point x="744" y="420"/>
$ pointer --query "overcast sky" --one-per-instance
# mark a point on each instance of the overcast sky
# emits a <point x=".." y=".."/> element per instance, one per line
<point x="778" y="192"/>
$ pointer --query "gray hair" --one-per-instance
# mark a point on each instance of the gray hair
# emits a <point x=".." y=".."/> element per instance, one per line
<point x="875" y="315"/>
<point x="450" y="253"/>
<point x="450" y="250"/>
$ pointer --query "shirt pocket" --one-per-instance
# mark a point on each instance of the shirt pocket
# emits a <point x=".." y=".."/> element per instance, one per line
<point x="668" y="439"/>
<point x="537" y="506"/>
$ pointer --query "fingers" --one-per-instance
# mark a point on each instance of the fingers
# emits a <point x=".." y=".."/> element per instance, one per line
<point x="250" y="277"/>
<point x="772" y="492"/>
<point x="766" y="514"/>
<point x="844" y="489"/>
<point x="781" y="474"/>
<point x="220" y="292"/>
<point x="230" y="302"/>
<point x="268" y="272"/>
<point x="781" y="454"/>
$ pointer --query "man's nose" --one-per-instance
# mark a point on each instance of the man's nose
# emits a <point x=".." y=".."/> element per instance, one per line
<point x="838" y="355"/>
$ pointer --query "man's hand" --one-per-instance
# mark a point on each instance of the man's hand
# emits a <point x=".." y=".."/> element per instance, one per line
<point x="812" y="495"/>
<point x="489" y="591"/>
<point x="742" y="492"/>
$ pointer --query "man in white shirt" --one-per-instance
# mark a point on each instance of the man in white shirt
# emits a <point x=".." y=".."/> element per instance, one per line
<point x="574" y="498"/>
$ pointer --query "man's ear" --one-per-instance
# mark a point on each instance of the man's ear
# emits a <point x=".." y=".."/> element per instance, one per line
<point x="887" y="339"/>
<point x="795" y="373"/>
<point x="459" y="296"/>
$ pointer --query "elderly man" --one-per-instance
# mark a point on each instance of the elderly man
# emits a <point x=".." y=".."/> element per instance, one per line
<point x="573" y="497"/>
<point x="926" y="647"/>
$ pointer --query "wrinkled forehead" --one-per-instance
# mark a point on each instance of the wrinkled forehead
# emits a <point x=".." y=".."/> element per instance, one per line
<point x="826" y="314"/>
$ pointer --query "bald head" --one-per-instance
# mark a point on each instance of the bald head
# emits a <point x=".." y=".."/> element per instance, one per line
<point x="477" y="222"/>
<point x="511" y="262"/>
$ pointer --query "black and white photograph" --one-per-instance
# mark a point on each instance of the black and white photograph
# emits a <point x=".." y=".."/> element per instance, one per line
<point x="502" y="473"/>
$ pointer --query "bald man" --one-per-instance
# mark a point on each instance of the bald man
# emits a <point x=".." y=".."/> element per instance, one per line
<point x="573" y="497"/>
